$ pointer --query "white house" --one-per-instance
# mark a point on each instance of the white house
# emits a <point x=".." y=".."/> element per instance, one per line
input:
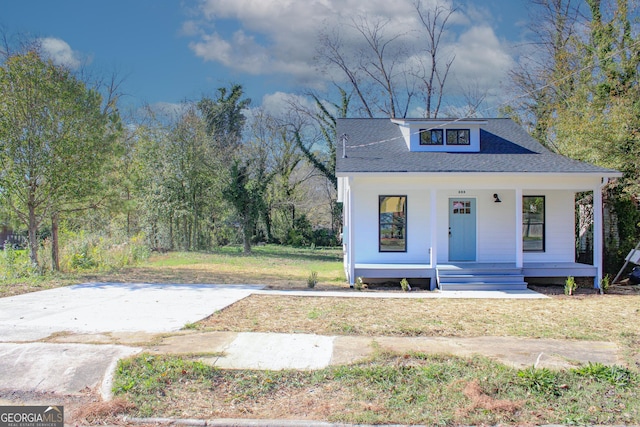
<point x="467" y="203"/>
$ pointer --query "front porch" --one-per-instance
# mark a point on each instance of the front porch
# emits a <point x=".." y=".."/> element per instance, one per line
<point x="475" y="275"/>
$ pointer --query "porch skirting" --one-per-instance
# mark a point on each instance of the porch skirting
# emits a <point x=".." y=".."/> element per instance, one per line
<point x="426" y="271"/>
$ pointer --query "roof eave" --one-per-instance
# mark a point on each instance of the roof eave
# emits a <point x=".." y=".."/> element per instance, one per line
<point x="604" y="174"/>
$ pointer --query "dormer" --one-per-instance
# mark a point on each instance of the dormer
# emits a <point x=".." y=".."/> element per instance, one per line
<point x="441" y="135"/>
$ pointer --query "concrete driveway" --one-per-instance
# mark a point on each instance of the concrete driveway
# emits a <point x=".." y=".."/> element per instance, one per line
<point x="112" y="307"/>
<point x="68" y="368"/>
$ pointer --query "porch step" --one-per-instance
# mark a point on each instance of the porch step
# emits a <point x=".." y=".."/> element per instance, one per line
<point x="474" y="278"/>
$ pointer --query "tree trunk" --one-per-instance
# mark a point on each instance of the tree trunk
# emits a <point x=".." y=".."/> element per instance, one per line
<point x="128" y="213"/>
<point x="246" y="237"/>
<point x="33" y="238"/>
<point x="247" y="230"/>
<point x="55" y="258"/>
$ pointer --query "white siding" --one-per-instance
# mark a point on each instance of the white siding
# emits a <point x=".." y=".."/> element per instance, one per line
<point x="496" y="227"/>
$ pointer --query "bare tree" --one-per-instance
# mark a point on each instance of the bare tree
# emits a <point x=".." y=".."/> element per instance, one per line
<point x="472" y="95"/>
<point x="383" y="60"/>
<point x="432" y="75"/>
<point x="385" y="70"/>
<point x="331" y="53"/>
<point x="377" y="69"/>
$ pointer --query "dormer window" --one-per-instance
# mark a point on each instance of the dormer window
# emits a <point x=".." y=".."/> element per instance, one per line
<point x="431" y="137"/>
<point x="458" y="137"/>
<point x="441" y="135"/>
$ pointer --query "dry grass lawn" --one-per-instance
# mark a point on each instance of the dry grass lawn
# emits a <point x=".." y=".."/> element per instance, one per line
<point x="585" y="317"/>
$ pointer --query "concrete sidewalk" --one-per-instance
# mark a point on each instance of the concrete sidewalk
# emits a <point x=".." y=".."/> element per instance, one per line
<point x="64" y="366"/>
<point x="250" y="350"/>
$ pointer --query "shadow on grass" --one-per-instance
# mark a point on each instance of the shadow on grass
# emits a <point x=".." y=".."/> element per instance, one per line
<point x="331" y="254"/>
<point x="199" y="276"/>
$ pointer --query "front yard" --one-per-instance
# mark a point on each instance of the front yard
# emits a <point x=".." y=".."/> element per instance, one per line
<point x="406" y="388"/>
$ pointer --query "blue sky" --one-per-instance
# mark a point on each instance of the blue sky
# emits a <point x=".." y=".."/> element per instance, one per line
<point x="174" y="50"/>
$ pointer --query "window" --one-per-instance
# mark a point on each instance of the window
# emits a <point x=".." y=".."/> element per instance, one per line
<point x="461" y="207"/>
<point x="431" y="137"/>
<point x="458" y="137"/>
<point x="393" y="224"/>
<point x="533" y="223"/>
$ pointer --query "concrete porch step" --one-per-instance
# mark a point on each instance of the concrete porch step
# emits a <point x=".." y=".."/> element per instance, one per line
<point x="478" y="278"/>
<point x="471" y="278"/>
<point x="483" y="286"/>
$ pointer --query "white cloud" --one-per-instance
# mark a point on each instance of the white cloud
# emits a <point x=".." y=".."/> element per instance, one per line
<point x="60" y="52"/>
<point x="480" y="57"/>
<point x="277" y="102"/>
<point x="280" y="36"/>
<point x="190" y="29"/>
<point x="240" y="52"/>
<point x="271" y="37"/>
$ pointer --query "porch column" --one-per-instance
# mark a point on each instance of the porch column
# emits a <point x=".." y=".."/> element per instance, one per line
<point x="351" y="246"/>
<point x="597" y="235"/>
<point x="433" y="255"/>
<point x="519" y="256"/>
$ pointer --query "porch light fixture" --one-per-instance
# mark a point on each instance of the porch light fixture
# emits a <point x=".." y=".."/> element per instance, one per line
<point x="496" y="198"/>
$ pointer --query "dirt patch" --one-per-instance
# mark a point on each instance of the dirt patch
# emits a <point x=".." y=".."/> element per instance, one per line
<point x="481" y="400"/>
<point x="585" y="288"/>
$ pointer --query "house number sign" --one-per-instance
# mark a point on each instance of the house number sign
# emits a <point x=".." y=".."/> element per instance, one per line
<point x="462" y="192"/>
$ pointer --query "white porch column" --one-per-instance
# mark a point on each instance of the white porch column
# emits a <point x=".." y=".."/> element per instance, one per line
<point x="433" y="256"/>
<point x="351" y="246"/>
<point x="519" y="255"/>
<point x="597" y="234"/>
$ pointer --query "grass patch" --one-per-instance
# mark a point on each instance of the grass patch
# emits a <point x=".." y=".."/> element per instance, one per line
<point x="271" y="265"/>
<point x="391" y="388"/>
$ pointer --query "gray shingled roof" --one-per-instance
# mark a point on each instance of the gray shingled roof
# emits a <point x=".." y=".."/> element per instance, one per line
<point x="504" y="147"/>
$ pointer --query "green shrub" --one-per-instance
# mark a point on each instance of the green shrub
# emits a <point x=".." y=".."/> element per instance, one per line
<point x="615" y="375"/>
<point x="82" y="252"/>
<point x="404" y="284"/>
<point x="570" y="285"/>
<point x="15" y="264"/>
<point x="605" y="283"/>
<point x="312" y="280"/>
<point x="539" y="381"/>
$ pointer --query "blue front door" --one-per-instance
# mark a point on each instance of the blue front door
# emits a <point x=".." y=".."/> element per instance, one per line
<point x="462" y="229"/>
